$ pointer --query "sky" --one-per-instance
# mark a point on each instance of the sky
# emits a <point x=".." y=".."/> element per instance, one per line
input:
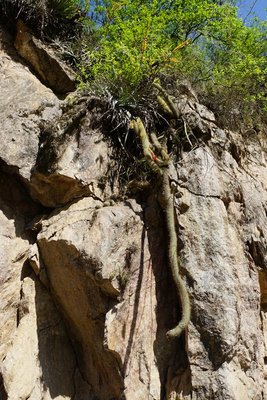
<point x="250" y="8"/>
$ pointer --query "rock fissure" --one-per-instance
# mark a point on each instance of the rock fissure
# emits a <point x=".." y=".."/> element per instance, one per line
<point x="213" y="196"/>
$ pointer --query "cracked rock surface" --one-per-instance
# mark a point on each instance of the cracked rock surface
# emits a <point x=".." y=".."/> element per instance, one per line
<point x="86" y="293"/>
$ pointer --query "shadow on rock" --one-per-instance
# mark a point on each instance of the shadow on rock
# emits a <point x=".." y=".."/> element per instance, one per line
<point x="172" y="361"/>
<point x="56" y="355"/>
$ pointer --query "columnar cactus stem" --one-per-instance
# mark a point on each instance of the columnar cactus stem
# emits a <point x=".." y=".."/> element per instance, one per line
<point x="160" y="166"/>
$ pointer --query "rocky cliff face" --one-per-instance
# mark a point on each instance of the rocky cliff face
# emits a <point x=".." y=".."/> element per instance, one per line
<point x="86" y="292"/>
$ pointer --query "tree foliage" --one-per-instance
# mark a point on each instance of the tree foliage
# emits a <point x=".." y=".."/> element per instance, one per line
<point x="201" y="40"/>
<point x="134" y="42"/>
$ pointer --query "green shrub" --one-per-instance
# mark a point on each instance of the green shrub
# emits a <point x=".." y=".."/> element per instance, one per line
<point x="136" y="41"/>
<point x="124" y="45"/>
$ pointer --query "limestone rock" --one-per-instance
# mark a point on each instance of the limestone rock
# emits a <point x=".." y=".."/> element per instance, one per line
<point x="24" y="103"/>
<point x="13" y="251"/>
<point x="35" y="350"/>
<point x="59" y="155"/>
<point x="52" y="72"/>
<point x="99" y="278"/>
<point x="224" y="234"/>
<point x="74" y="160"/>
<point x="86" y="292"/>
<point x="40" y="362"/>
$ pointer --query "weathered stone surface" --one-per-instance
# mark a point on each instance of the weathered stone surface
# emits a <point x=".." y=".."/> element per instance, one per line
<point x="198" y="120"/>
<point x="13" y="249"/>
<point x="60" y="157"/>
<point x="40" y="362"/>
<point x="24" y="103"/>
<point x="15" y="208"/>
<point x="52" y="72"/>
<point x="224" y="235"/>
<point x="36" y="358"/>
<point x="74" y="160"/>
<point x="105" y="267"/>
<point x="99" y="278"/>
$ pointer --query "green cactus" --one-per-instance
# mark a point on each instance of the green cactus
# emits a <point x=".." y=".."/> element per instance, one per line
<point x="159" y="165"/>
<point x="172" y="257"/>
<point x="169" y="104"/>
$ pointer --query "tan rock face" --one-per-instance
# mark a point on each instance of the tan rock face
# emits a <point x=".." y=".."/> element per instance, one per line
<point x="44" y="62"/>
<point x="50" y="149"/>
<point x="225" y="289"/>
<point x="86" y="293"/>
<point x="74" y="160"/>
<point x="99" y="278"/>
<point x="24" y="103"/>
<point x="35" y="349"/>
